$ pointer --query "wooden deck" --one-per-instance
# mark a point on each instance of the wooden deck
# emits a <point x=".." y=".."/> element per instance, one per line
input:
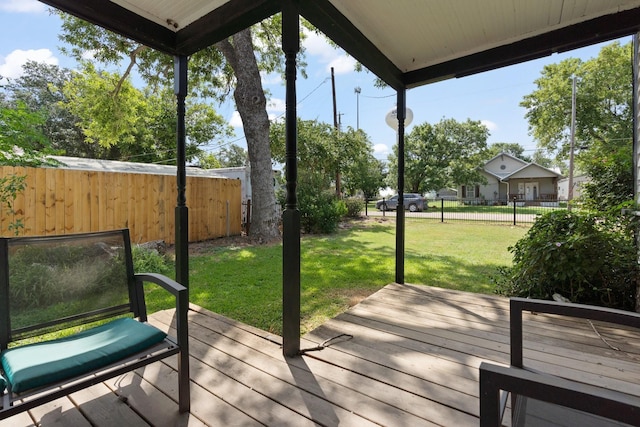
<point x="412" y="360"/>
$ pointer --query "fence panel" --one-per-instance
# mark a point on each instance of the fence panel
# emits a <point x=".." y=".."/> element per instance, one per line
<point x="62" y="201"/>
<point x="515" y="211"/>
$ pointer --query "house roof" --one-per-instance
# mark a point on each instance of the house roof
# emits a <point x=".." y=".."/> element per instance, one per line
<point x="524" y="170"/>
<point x="407" y="43"/>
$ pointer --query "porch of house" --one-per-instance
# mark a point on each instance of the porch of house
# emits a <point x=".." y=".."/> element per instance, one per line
<point x="413" y="360"/>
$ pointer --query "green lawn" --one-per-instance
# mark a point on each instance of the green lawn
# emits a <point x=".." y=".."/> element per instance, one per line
<point x="245" y="283"/>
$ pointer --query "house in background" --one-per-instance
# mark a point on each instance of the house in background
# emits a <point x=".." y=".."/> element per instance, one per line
<point x="563" y="187"/>
<point x="509" y="177"/>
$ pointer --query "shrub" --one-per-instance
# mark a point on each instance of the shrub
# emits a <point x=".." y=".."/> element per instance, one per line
<point x="585" y="258"/>
<point x="354" y="206"/>
<point x="321" y="212"/>
<point x="146" y="260"/>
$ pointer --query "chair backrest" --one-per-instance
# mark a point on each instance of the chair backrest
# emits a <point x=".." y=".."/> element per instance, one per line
<point x="50" y="283"/>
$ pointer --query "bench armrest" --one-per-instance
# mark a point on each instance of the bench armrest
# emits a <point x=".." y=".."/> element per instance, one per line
<point x="159" y="279"/>
<point x="182" y="302"/>
<point x="583" y="311"/>
<point x="547" y="388"/>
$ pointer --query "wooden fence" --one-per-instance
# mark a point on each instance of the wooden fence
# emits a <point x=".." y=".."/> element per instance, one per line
<point x="63" y="201"/>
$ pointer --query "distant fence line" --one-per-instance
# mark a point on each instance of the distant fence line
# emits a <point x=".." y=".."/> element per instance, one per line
<point x="63" y="201"/>
<point x="516" y="211"/>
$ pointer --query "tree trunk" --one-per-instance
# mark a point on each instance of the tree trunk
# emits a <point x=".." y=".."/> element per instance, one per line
<point x="252" y="106"/>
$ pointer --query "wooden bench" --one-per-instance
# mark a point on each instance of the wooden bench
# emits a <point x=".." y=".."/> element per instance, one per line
<point x="73" y="314"/>
<point x="540" y="398"/>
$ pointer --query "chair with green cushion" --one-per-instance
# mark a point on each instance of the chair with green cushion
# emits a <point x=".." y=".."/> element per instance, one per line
<point x="73" y="313"/>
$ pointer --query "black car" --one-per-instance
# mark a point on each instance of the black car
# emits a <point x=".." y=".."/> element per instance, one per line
<point x="412" y="201"/>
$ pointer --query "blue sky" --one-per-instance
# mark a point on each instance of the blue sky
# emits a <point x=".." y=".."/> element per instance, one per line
<point x="30" y="32"/>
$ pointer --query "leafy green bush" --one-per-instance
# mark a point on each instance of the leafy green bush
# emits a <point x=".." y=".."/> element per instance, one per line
<point x="354" y="206"/>
<point x="582" y="257"/>
<point x="146" y="260"/>
<point x="320" y="211"/>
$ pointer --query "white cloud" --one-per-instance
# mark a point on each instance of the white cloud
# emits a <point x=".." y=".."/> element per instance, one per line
<point x="316" y="45"/>
<point x="489" y="124"/>
<point x="235" y="120"/>
<point x="275" y="108"/>
<point x="11" y="65"/>
<point x="276" y="105"/>
<point x="22" y="6"/>
<point x="380" y="151"/>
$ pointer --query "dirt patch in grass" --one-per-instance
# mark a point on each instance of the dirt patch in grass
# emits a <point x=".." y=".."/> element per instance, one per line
<point x="199" y="248"/>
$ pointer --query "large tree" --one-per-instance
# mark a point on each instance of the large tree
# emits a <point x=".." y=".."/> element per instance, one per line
<point x="604" y="120"/>
<point x="511" y="148"/>
<point x="233" y="64"/>
<point x="437" y="156"/>
<point x="324" y="153"/>
<point x="39" y="89"/>
<point x="135" y="125"/>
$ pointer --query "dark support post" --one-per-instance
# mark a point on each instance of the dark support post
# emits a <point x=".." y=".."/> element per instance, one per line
<point x="401" y="113"/>
<point x="442" y="209"/>
<point x="182" y="231"/>
<point x="291" y="214"/>
<point x="182" y="212"/>
<point x="514" y="210"/>
<point x="636" y="145"/>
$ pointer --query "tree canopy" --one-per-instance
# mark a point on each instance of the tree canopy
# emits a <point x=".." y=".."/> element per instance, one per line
<point x="232" y="65"/>
<point x="325" y="153"/>
<point x="437" y="156"/>
<point x="604" y="120"/>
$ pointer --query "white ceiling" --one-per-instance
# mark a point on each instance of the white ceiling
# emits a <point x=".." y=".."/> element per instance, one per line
<point x="405" y="42"/>
<point x="418" y="33"/>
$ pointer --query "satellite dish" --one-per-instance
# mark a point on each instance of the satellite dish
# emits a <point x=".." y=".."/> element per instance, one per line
<point x="392" y="118"/>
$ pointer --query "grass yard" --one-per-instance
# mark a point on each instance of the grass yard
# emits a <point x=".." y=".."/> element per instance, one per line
<point x="245" y="282"/>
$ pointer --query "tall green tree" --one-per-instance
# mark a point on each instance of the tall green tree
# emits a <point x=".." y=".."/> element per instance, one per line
<point x="22" y="143"/>
<point x="233" y="156"/>
<point x="233" y="65"/>
<point x="324" y="152"/>
<point x="604" y="120"/>
<point x="445" y="154"/>
<point x="511" y="148"/>
<point x="131" y="124"/>
<point x="39" y="88"/>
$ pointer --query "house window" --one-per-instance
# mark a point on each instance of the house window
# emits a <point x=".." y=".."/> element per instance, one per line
<point x="470" y="191"/>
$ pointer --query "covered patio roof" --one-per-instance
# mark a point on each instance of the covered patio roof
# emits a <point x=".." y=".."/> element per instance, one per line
<point x="407" y="43"/>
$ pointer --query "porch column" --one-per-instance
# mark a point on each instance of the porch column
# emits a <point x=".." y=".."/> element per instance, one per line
<point x="636" y="146"/>
<point x="291" y="214"/>
<point x="401" y="114"/>
<point x="181" y="211"/>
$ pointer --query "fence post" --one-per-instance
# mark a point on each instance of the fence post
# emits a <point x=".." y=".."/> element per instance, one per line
<point x="228" y="221"/>
<point x="384" y="207"/>
<point x="441" y="209"/>
<point x="514" y="210"/>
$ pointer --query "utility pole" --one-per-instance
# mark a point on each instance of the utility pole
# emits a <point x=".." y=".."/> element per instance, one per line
<point x="357" y="90"/>
<point x="336" y="126"/>
<point x="335" y="106"/>
<point x="573" y="142"/>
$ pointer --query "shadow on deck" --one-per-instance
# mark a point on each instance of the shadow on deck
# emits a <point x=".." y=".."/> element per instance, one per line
<point x="413" y="360"/>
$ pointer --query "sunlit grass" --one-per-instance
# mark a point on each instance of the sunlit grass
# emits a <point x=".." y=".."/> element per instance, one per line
<point x="337" y="271"/>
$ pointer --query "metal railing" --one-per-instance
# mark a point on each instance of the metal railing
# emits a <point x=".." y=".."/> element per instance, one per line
<point x="515" y="211"/>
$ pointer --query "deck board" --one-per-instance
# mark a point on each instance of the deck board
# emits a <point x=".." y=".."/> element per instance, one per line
<point x="411" y="358"/>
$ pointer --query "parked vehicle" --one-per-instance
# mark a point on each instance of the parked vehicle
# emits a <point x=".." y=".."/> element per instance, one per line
<point x="412" y="201"/>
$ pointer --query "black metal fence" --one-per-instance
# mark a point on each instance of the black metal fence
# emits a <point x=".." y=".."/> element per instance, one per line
<point x="516" y="211"/>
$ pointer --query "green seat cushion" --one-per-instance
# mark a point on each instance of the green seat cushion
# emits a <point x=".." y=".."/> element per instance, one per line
<point x="40" y="364"/>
